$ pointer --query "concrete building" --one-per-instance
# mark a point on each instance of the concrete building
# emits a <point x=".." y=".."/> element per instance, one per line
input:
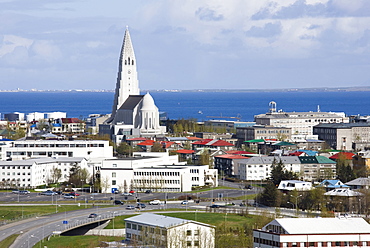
<point x="289" y="185"/>
<point x="317" y="168"/>
<point x="259" y="168"/>
<point x="300" y="123"/>
<point x="262" y="132"/>
<point x="313" y="232"/>
<point x="158" y="172"/>
<point x="163" y="231"/>
<point x="31" y="173"/>
<point x="133" y="115"/>
<point x="344" y="136"/>
<point x="21" y="150"/>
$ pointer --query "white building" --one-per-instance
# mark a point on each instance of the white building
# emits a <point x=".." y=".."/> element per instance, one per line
<point x="313" y="232"/>
<point x="31" y="173"/>
<point x="163" y="231"/>
<point x="301" y="123"/>
<point x="35" y="116"/>
<point x="18" y="150"/>
<point x="132" y="114"/>
<point x="259" y="168"/>
<point x="55" y="115"/>
<point x="158" y="172"/>
<point x="289" y="185"/>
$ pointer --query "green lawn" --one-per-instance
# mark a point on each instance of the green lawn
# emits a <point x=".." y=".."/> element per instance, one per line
<point x="8" y="241"/>
<point x="76" y="241"/>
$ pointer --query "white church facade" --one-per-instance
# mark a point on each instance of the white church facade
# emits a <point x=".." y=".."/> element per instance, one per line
<point x="133" y="115"/>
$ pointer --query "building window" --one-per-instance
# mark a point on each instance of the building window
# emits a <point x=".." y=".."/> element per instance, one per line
<point x="128" y="235"/>
<point x="128" y="225"/>
<point x="114" y="165"/>
<point x="114" y="174"/>
<point x="188" y="243"/>
<point x="114" y="182"/>
<point x="294" y="244"/>
<point x="188" y="232"/>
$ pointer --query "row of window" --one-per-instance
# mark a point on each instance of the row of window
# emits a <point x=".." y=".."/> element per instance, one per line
<point x="156" y="173"/>
<point x="39" y="153"/>
<point x="311" y="244"/>
<point x="15" y="167"/>
<point x="59" y="145"/>
<point x="13" y="179"/>
<point x="156" y="182"/>
<point x="13" y="173"/>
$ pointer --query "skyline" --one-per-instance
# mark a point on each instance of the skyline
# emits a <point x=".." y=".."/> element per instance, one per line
<point x="186" y="45"/>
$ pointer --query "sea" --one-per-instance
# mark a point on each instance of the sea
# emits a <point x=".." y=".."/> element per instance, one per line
<point x="185" y="105"/>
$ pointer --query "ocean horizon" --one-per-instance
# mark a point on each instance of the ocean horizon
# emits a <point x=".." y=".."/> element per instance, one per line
<point x="196" y="105"/>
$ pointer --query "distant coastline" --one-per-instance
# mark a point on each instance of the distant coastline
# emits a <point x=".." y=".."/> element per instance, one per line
<point x="322" y="89"/>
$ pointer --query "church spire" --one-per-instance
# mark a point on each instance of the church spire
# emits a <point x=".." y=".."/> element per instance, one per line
<point x="127" y="79"/>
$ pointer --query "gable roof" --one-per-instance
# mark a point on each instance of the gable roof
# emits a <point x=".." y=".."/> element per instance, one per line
<point x="361" y="181"/>
<point x="231" y="156"/>
<point x="334" y="183"/>
<point x="344" y="155"/>
<point x="131" y="102"/>
<point x="342" y="192"/>
<point x="315" y="160"/>
<point x="212" y="142"/>
<point x="322" y="225"/>
<point x="184" y="151"/>
<point x="239" y="152"/>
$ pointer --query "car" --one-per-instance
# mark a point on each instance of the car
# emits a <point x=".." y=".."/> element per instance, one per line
<point x="69" y="196"/>
<point x="24" y="192"/>
<point x="249" y="187"/>
<point x="132" y="191"/>
<point x="214" y="206"/>
<point x="148" y="191"/>
<point x="48" y="192"/>
<point x="15" y="191"/>
<point x="116" y="192"/>
<point x="155" y="202"/>
<point x="185" y="202"/>
<point x="126" y="193"/>
<point x="93" y="215"/>
<point x="74" y="193"/>
<point x="59" y="192"/>
<point x="140" y="205"/>
<point x="130" y="207"/>
<point x="118" y="202"/>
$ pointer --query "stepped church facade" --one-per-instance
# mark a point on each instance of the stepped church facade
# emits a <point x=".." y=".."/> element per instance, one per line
<point x="133" y="115"/>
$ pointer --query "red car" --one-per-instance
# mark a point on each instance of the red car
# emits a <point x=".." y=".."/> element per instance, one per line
<point x="132" y="191"/>
<point x="74" y="193"/>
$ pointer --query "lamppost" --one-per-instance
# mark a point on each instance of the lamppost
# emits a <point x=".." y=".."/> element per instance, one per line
<point x="296" y="202"/>
<point x="33" y="236"/>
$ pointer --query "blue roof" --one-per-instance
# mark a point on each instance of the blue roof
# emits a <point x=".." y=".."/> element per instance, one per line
<point x="309" y="152"/>
<point x="4" y="139"/>
<point x="57" y="125"/>
<point x="332" y="183"/>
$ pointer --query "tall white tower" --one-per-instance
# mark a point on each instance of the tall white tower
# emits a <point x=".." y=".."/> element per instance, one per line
<point x="127" y="80"/>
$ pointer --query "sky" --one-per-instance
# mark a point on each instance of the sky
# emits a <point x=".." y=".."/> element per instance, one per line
<point x="192" y="44"/>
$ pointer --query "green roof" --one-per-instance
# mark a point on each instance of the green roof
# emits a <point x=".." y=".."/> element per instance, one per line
<point x="255" y="140"/>
<point x="315" y="160"/>
<point x="284" y="143"/>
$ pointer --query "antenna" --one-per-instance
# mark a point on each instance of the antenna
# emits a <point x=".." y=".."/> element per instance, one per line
<point x="318" y="108"/>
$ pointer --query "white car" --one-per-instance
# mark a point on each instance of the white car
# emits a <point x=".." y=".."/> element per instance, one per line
<point x="126" y="193"/>
<point x="155" y="202"/>
<point x="69" y="196"/>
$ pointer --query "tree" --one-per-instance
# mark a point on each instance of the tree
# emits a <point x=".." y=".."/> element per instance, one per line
<point x="157" y="147"/>
<point x="124" y="149"/>
<point x="56" y="174"/>
<point x="269" y="196"/>
<point x="344" y="170"/>
<point x="279" y="173"/>
<point x="105" y="184"/>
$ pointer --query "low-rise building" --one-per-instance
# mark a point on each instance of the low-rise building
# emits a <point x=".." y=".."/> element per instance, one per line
<point x="313" y="232"/>
<point x="163" y="231"/>
<point x="289" y="185"/>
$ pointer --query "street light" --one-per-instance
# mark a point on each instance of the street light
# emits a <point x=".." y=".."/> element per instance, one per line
<point x="296" y="202"/>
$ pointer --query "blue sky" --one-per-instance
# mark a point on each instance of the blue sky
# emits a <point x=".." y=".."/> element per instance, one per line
<point x="195" y="44"/>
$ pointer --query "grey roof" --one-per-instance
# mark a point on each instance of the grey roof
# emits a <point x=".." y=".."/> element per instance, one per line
<point x="362" y="181"/>
<point x="177" y="138"/>
<point x="342" y="125"/>
<point x="131" y="102"/>
<point x="323" y="225"/>
<point x="343" y="192"/>
<point x="42" y="161"/>
<point x="157" y="220"/>
<point x="270" y="159"/>
<point x="298" y="115"/>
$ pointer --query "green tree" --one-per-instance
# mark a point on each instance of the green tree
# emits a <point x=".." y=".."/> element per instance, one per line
<point x="157" y="147"/>
<point x="279" y="173"/>
<point x="270" y="195"/>
<point x="344" y="170"/>
<point x="124" y="149"/>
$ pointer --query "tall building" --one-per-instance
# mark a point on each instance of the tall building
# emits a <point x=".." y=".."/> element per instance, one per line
<point x="133" y="115"/>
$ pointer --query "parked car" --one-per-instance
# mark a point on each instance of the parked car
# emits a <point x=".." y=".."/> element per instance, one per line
<point x="59" y="192"/>
<point x="148" y="191"/>
<point x="116" y="192"/>
<point x="74" y="193"/>
<point x="155" y="202"/>
<point x="126" y="193"/>
<point x="15" y="191"/>
<point x="48" y="192"/>
<point x="132" y="191"/>
<point x="130" y="207"/>
<point x="24" y="192"/>
<point x="69" y="196"/>
<point x="214" y="206"/>
<point x="185" y="202"/>
<point x="118" y="202"/>
<point x="140" y="205"/>
<point x="93" y="215"/>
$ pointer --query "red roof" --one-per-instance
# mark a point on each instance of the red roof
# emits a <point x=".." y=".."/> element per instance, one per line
<point x="239" y="152"/>
<point x="231" y="156"/>
<point x="212" y="142"/>
<point x="193" y="138"/>
<point x="167" y="143"/>
<point x="71" y="120"/>
<point x="345" y="155"/>
<point x="296" y="153"/>
<point x="146" y="143"/>
<point x="184" y="151"/>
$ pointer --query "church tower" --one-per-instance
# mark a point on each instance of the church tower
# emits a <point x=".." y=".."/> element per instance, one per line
<point x="127" y="79"/>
